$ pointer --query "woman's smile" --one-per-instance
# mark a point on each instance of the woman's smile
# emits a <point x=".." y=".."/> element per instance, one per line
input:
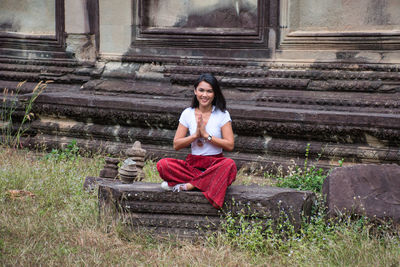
<point x="205" y="99"/>
<point x="204" y="94"/>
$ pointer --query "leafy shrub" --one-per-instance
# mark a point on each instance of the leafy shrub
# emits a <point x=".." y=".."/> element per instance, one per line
<point x="70" y="152"/>
<point x="304" y="178"/>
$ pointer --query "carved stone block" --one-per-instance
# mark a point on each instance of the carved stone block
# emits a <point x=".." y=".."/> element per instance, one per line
<point x="371" y="190"/>
<point x="147" y="206"/>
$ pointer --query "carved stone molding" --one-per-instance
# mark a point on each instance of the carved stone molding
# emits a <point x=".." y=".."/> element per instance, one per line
<point x="344" y="41"/>
<point x="352" y="146"/>
<point x="305" y="77"/>
<point x="67" y="72"/>
<point x="248" y="119"/>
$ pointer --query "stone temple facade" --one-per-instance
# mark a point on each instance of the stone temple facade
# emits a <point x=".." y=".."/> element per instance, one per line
<point x="323" y="73"/>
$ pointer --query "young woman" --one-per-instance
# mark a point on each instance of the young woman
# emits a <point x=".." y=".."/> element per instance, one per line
<point x="210" y="132"/>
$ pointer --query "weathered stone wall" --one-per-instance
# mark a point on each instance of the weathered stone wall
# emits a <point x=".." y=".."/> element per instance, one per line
<point x="293" y="72"/>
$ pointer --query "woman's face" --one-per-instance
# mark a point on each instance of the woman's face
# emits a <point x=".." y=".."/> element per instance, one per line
<point x="204" y="94"/>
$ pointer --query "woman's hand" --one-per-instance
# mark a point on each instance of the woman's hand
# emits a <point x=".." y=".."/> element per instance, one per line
<point x="201" y="127"/>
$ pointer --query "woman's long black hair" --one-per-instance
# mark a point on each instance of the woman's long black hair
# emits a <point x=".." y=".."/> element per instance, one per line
<point x="219" y="99"/>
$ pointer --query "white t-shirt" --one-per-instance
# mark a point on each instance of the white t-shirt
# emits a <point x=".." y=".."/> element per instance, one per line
<point x="215" y="122"/>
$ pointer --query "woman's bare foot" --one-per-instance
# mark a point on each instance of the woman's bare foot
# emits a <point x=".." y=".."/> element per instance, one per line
<point x="183" y="187"/>
<point x="189" y="186"/>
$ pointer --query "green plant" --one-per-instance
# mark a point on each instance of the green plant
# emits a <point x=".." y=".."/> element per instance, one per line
<point x="245" y="231"/>
<point x="303" y="178"/>
<point x="255" y="234"/>
<point x="150" y="172"/>
<point x="70" y="152"/>
<point x="11" y="133"/>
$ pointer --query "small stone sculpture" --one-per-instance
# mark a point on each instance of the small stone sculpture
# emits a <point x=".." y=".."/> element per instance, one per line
<point x="110" y="169"/>
<point x="128" y="171"/>
<point x="132" y="168"/>
<point x="137" y="154"/>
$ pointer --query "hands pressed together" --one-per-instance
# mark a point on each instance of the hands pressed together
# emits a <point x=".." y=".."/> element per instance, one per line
<point x="201" y="127"/>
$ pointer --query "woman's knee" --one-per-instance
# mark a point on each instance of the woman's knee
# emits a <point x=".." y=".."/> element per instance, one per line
<point x="161" y="163"/>
<point x="229" y="163"/>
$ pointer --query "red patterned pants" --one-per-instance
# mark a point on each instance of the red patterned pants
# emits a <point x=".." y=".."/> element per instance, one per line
<point x="210" y="174"/>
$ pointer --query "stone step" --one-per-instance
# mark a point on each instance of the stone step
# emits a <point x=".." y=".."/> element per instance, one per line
<point x="147" y="207"/>
<point x="166" y="221"/>
<point x="34" y="76"/>
<point x="262" y="131"/>
<point x="69" y="63"/>
<point x="340" y="73"/>
<point x="125" y="134"/>
<point x="302" y="83"/>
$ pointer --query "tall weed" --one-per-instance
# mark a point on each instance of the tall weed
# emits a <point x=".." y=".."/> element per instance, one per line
<point x="12" y="131"/>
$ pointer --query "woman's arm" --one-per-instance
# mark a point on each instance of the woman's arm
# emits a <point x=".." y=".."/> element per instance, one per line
<point x="181" y="140"/>
<point x="227" y="142"/>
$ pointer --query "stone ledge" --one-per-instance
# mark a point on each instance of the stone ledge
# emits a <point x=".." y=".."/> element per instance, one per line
<point x="146" y="206"/>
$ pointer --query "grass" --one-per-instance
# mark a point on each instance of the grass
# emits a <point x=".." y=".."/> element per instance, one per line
<point x="59" y="226"/>
<point x="10" y="131"/>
